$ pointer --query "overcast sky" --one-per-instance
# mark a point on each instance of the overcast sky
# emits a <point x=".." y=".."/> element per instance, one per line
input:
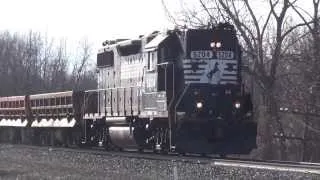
<point x="96" y="19"/>
<point x="74" y="19"/>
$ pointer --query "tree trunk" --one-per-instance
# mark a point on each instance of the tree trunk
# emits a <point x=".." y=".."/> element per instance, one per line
<point x="269" y="125"/>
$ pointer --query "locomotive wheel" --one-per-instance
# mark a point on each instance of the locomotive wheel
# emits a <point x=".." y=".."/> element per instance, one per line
<point x="204" y="155"/>
<point x="107" y="147"/>
<point x="164" y="151"/>
<point x="223" y="156"/>
<point x="140" y="150"/>
<point x="155" y="151"/>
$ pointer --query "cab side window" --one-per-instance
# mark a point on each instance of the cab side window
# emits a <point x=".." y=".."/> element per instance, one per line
<point x="151" y="61"/>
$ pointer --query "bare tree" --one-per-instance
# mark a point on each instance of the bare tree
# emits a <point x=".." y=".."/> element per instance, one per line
<point x="47" y="55"/>
<point x="80" y="74"/>
<point x="309" y="55"/>
<point x="58" y="68"/>
<point x="31" y="63"/>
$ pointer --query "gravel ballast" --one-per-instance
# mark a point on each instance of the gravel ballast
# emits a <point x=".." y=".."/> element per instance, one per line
<point x="19" y="162"/>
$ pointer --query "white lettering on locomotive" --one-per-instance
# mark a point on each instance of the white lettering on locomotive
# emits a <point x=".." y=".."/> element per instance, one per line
<point x="201" y="54"/>
<point x="225" y="55"/>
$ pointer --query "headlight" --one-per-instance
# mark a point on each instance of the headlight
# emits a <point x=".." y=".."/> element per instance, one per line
<point x="199" y="105"/>
<point x="218" y="44"/>
<point x="237" y="105"/>
<point x="215" y="44"/>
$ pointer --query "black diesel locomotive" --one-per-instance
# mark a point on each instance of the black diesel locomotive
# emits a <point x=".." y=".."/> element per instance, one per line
<point x="181" y="90"/>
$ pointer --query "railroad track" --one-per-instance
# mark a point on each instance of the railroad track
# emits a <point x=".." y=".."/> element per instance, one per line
<point x="301" y="167"/>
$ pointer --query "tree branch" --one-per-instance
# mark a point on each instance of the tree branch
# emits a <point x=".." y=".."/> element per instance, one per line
<point x="207" y="11"/>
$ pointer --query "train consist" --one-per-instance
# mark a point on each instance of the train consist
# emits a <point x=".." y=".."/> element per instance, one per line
<point x="179" y="90"/>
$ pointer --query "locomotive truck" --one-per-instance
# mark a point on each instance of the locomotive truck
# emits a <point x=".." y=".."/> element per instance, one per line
<point x="180" y="90"/>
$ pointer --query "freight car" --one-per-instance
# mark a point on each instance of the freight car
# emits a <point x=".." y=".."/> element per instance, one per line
<point x="179" y="90"/>
<point x="47" y="118"/>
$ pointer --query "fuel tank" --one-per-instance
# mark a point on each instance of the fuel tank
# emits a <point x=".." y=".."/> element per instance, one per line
<point x="123" y="136"/>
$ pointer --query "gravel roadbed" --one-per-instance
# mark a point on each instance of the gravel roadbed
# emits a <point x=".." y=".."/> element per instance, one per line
<point x="18" y="162"/>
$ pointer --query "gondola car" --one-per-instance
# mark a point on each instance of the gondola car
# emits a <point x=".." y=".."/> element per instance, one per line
<point x="48" y="118"/>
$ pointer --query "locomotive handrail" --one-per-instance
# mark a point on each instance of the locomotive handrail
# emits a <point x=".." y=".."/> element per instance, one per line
<point x="12" y="109"/>
<point x="51" y="95"/>
<point x="172" y="98"/>
<point x="52" y="107"/>
<point x="179" y="100"/>
<point x="170" y="104"/>
<point x="153" y="92"/>
<point x="164" y="63"/>
<point x="95" y="90"/>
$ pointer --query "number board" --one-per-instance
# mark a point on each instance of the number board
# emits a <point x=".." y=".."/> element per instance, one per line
<point x="201" y="54"/>
<point x="225" y="55"/>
